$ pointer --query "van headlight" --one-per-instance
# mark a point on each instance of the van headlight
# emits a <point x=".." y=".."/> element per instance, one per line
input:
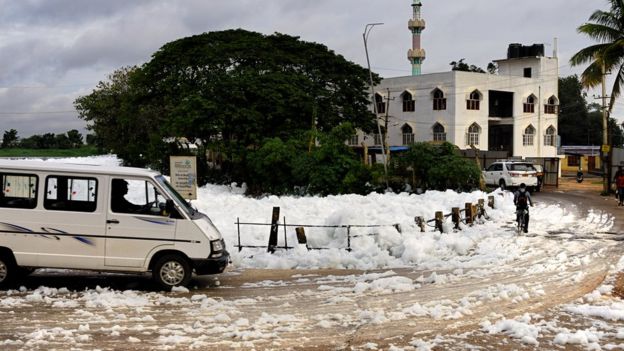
<point x="217" y="245"/>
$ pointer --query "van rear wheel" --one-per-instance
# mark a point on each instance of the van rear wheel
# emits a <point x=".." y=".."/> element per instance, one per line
<point x="7" y="271"/>
<point x="171" y="270"/>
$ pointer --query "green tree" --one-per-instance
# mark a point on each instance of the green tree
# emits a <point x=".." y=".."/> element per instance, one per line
<point x="580" y="123"/>
<point x="462" y="66"/>
<point x="332" y="167"/>
<point x="113" y="112"/>
<point x="61" y="141"/>
<point x="329" y="167"/>
<point x="75" y="138"/>
<point x="47" y="141"/>
<point x="32" y="142"/>
<point x="9" y="139"/>
<point x="492" y="68"/>
<point x="576" y="126"/>
<point x="227" y="91"/>
<point x="438" y="167"/>
<point x="607" y="28"/>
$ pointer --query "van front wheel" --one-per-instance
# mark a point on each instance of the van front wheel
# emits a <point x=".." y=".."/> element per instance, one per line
<point x="172" y="270"/>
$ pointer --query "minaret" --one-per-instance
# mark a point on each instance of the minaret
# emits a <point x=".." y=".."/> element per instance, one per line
<point x="416" y="25"/>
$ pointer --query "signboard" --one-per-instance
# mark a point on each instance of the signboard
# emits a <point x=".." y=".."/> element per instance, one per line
<point x="606" y="148"/>
<point x="184" y="175"/>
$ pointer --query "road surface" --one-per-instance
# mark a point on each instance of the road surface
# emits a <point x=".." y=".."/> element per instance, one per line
<point x="404" y="308"/>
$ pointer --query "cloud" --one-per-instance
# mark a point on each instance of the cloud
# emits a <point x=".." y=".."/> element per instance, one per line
<point x="67" y="46"/>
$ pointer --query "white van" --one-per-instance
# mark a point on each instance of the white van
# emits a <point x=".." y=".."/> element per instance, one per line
<point x="117" y="219"/>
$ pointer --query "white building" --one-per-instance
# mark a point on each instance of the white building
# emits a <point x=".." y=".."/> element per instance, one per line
<point x="514" y="110"/>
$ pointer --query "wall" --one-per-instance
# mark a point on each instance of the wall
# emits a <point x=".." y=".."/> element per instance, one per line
<point x="456" y="119"/>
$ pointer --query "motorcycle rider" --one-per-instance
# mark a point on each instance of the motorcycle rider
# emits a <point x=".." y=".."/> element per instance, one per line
<point x="522" y="200"/>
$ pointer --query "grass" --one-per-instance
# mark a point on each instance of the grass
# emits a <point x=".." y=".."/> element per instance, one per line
<point x="80" y="152"/>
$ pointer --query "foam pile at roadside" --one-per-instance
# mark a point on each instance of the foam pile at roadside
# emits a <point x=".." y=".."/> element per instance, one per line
<point x="492" y="242"/>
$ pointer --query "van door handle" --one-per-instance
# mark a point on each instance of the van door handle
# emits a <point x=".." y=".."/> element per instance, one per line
<point x="112" y="221"/>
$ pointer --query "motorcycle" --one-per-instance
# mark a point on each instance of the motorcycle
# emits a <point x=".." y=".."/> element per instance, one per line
<point x="579" y="177"/>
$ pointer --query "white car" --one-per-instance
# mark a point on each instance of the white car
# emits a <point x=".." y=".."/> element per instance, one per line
<point x="511" y="174"/>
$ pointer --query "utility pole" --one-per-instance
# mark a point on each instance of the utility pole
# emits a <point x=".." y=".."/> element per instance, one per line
<point x="367" y="30"/>
<point x="386" y="124"/>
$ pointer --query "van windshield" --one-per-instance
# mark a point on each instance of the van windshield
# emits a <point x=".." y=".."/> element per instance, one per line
<point x="173" y="193"/>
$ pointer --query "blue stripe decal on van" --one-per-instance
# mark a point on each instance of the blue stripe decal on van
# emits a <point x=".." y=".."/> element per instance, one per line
<point x="22" y="229"/>
<point x="58" y="231"/>
<point x="156" y="221"/>
<point x="83" y="237"/>
<point x="16" y="229"/>
<point x="13" y="226"/>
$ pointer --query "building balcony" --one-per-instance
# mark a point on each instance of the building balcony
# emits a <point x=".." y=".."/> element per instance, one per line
<point x="416" y="24"/>
<point x="416" y="53"/>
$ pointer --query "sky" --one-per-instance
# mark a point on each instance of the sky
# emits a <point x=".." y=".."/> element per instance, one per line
<point x="53" y="51"/>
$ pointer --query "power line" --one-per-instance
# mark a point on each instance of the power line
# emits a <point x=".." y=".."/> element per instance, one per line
<point x="36" y="112"/>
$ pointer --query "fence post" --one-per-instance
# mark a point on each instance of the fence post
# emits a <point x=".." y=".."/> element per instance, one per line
<point x="398" y="228"/>
<point x="491" y="201"/>
<point x="455" y="217"/>
<point x="469" y="213"/>
<point x="480" y="208"/>
<point x="439" y="218"/>
<point x="285" y="238"/>
<point x="420" y="222"/>
<point x="240" y="248"/>
<point x="301" y="237"/>
<point x="349" y="238"/>
<point x="273" y="233"/>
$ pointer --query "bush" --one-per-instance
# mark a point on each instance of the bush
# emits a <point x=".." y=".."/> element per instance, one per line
<point x="292" y="166"/>
<point x="437" y="167"/>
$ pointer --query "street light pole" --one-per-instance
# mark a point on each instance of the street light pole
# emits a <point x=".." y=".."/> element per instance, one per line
<point x="605" y="134"/>
<point x="367" y="30"/>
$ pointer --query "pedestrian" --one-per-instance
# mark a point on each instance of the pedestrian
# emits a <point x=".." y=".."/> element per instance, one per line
<point x="619" y="182"/>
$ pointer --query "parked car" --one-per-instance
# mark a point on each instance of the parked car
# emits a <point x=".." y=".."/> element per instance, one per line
<point x="510" y="173"/>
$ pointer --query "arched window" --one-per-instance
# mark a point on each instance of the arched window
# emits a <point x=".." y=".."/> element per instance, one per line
<point x="409" y="105"/>
<point x="354" y="140"/>
<point x="529" y="134"/>
<point x="439" y="101"/>
<point x="552" y="105"/>
<point x="408" y="134"/>
<point x="472" y="137"/>
<point x="549" y="137"/>
<point x="381" y="106"/>
<point x="439" y="134"/>
<point x="473" y="100"/>
<point x="529" y="104"/>
<point x="378" y="138"/>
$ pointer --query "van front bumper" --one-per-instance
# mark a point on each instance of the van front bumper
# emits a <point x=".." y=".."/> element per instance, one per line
<point x="211" y="265"/>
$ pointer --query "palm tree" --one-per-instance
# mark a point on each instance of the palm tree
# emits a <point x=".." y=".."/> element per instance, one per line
<point x="607" y="28"/>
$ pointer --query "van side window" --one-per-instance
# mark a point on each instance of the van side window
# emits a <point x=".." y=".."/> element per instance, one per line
<point x="136" y="196"/>
<point x="66" y="193"/>
<point x="18" y="190"/>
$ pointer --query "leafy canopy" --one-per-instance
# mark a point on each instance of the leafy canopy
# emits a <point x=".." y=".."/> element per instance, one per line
<point x="606" y="28"/>
<point x="228" y="91"/>
<point x="438" y="167"/>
